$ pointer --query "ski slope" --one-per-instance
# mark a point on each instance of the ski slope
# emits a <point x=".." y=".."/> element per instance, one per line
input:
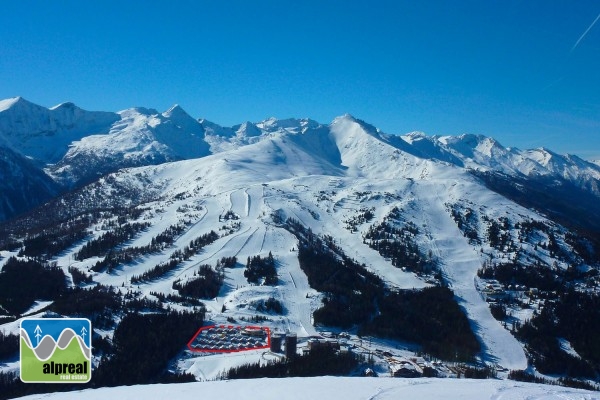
<point x="334" y="388"/>
<point x="460" y="262"/>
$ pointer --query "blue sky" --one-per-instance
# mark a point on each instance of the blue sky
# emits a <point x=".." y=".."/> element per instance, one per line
<point x="506" y="69"/>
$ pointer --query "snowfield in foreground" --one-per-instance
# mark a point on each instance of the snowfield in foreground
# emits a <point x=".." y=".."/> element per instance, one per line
<point x="334" y="388"/>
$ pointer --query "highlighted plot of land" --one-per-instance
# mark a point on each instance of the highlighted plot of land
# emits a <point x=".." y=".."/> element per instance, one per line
<point x="229" y="338"/>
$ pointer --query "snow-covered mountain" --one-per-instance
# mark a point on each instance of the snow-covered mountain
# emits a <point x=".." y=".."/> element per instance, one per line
<point x="23" y="186"/>
<point x="484" y="153"/>
<point x="140" y="137"/>
<point x="45" y="134"/>
<point x="73" y="146"/>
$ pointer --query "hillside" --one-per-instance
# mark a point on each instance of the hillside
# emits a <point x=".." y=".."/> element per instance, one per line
<point x="318" y="231"/>
<point x="73" y="147"/>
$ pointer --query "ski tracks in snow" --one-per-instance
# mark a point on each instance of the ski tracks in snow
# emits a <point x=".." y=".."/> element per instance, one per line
<point x="460" y="263"/>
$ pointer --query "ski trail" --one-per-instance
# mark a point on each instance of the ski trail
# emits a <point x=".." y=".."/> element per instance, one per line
<point x="262" y="245"/>
<point x="213" y="254"/>
<point x="239" y="202"/>
<point x="460" y="263"/>
<point x="293" y="284"/>
<point x="248" y="202"/>
<point x="246" y="241"/>
<point x="255" y="198"/>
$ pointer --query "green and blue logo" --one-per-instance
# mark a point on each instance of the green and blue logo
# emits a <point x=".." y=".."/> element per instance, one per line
<point x="56" y="350"/>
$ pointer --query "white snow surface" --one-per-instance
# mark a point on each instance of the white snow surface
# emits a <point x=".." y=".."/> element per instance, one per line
<point x="45" y="134"/>
<point x="334" y="388"/>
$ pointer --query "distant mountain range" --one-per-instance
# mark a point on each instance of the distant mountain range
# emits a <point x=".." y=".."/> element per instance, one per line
<point x="48" y="151"/>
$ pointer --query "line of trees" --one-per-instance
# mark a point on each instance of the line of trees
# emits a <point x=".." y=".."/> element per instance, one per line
<point x="110" y="240"/>
<point x="9" y="345"/>
<point x="178" y="257"/>
<point x="353" y="296"/>
<point x="115" y="257"/>
<point x="574" y="316"/>
<point x="399" y="244"/>
<point x="319" y="362"/>
<point x="143" y="346"/>
<point x="429" y="317"/>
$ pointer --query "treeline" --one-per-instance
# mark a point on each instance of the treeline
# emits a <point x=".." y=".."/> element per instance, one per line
<point x="46" y="241"/>
<point x="24" y="281"/>
<point x="184" y="301"/>
<point x="354" y="296"/>
<point x="115" y="257"/>
<point x="99" y="304"/>
<point x="363" y="215"/>
<point x="261" y="270"/>
<point x="498" y="234"/>
<point x="109" y="240"/>
<point x="574" y="316"/>
<point x="143" y="346"/>
<point x="178" y="257"/>
<point x="587" y="249"/>
<point x="514" y="273"/>
<point x="399" y="245"/>
<point x="79" y="277"/>
<point x="430" y="317"/>
<point x="350" y="290"/>
<point x="195" y="246"/>
<point x="537" y="275"/>
<point x="44" y="235"/>
<point x="51" y="242"/>
<point x="319" y="362"/>
<point x="9" y="345"/>
<point x="227" y="262"/>
<point x="206" y="283"/>
<point x="155" y="272"/>
<point x="466" y="220"/>
<point x="271" y="305"/>
<point x="524" y="376"/>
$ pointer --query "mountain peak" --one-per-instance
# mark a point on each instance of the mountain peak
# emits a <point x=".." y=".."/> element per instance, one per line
<point x="291" y="125"/>
<point x="345" y="117"/>
<point x="176" y="109"/>
<point x="13" y="102"/>
<point x="350" y="119"/>
<point x="248" y="129"/>
<point x="65" y="106"/>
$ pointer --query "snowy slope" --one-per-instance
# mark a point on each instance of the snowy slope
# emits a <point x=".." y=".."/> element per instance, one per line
<point x="80" y="145"/>
<point x="45" y="134"/>
<point x="335" y="388"/>
<point x="140" y="137"/>
<point x="23" y="185"/>
<point x="484" y="153"/>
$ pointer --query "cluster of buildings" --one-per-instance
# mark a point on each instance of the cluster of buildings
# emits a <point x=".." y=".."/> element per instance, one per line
<point x="230" y="339"/>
